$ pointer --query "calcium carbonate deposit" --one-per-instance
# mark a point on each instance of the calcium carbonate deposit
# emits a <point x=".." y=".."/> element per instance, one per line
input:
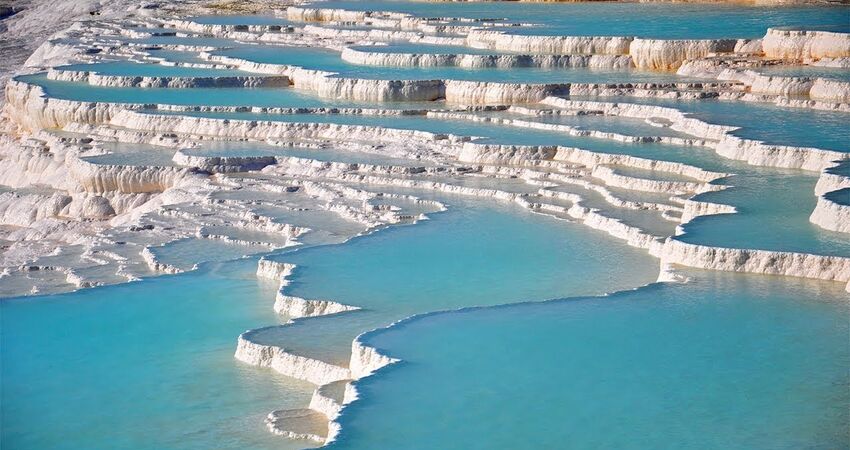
<point x="326" y="188"/>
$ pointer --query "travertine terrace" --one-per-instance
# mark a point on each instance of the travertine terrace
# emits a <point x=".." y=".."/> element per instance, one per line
<point x="73" y="215"/>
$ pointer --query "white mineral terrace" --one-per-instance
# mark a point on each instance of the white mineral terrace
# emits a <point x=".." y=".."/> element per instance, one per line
<point x="74" y="215"/>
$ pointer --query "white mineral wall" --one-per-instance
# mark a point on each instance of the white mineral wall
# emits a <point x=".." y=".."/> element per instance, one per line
<point x="553" y="45"/>
<point x="324" y="15"/>
<point x="295" y="366"/>
<point x="22" y="166"/>
<point x="820" y="89"/>
<point x="365" y="34"/>
<point x="24" y="210"/>
<point x="261" y="130"/>
<point x="830" y="90"/>
<point x="761" y="154"/>
<point x="733" y="147"/>
<point x="27" y="106"/>
<point x="366" y="360"/>
<point x="325" y="405"/>
<point x="363" y="56"/>
<point x="101" y="178"/>
<point x="679" y="120"/>
<point x="829" y="181"/>
<point x="832" y="268"/>
<point x="668" y="55"/>
<point x="800" y="44"/>
<point x="831" y="215"/>
<point x="296" y="307"/>
<point x="222" y="29"/>
<point x="480" y="92"/>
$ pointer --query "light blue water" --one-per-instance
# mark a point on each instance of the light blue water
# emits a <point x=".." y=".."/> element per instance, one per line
<point x="106" y="367"/>
<point x="725" y="362"/>
<point x="328" y="60"/>
<point x="792" y="232"/>
<point x="767" y="122"/>
<point x="705" y="21"/>
<point x="651" y="174"/>
<point x="159" y="352"/>
<point x="479" y="253"/>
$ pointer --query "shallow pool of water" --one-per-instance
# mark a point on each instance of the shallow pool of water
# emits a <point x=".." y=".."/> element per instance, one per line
<point x="723" y="362"/>
<point x="133" y="69"/>
<point x="481" y="253"/>
<point x="661" y="20"/>
<point x="146" y="365"/>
